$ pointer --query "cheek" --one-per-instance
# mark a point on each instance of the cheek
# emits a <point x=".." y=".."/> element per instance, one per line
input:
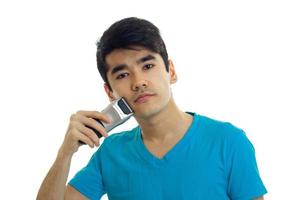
<point x="116" y="94"/>
<point x="162" y="84"/>
<point x="118" y="91"/>
<point x="122" y="89"/>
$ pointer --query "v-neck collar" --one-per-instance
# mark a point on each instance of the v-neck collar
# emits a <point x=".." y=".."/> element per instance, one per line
<point x="172" y="152"/>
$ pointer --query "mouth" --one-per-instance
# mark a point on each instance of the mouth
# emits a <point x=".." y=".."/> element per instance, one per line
<point x="143" y="98"/>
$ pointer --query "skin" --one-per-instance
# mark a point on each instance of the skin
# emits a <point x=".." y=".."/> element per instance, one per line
<point x="162" y="123"/>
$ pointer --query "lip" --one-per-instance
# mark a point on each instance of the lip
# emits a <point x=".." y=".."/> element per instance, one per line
<point x="143" y="97"/>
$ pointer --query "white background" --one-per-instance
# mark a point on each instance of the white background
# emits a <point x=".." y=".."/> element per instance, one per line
<point x="237" y="61"/>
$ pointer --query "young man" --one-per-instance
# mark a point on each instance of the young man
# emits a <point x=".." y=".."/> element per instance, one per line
<point x="171" y="154"/>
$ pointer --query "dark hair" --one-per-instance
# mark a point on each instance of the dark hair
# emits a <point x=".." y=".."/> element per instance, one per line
<point x="126" y="33"/>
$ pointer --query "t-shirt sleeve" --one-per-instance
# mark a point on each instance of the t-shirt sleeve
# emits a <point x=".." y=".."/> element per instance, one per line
<point x="244" y="182"/>
<point x="88" y="181"/>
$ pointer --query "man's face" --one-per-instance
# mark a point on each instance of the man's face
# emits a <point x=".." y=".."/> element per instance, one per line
<point x="132" y="73"/>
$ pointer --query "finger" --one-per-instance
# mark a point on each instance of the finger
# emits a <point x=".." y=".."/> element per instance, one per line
<point x="95" y="114"/>
<point x="83" y="138"/>
<point x="89" y="133"/>
<point x="93" y="124"/>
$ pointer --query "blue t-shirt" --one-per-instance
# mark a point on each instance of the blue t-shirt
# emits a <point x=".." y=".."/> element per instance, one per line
<point x="214" y="160"/>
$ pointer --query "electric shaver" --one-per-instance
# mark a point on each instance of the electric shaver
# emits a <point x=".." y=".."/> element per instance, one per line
<point x="118" y="111"/>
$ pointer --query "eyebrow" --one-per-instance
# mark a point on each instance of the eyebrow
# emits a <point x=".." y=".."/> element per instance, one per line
<point x="145" y="59"/>
<point x="118" y="68"/>
<point x="139" y="61"/>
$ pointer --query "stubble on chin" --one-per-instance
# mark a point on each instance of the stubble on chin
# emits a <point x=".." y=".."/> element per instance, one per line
<point x="152" y="110"/>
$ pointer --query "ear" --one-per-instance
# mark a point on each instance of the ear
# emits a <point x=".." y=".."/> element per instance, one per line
<point x="109" y="93"/>
<point x="172" y="72"/>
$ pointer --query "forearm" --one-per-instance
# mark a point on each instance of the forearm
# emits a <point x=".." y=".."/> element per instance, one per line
<point x="54" y="184"/>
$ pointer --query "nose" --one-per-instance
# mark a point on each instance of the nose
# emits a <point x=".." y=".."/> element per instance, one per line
<point x="139" y="84"/>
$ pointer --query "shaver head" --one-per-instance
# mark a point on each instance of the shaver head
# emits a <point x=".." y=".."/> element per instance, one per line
<point x="118" y="111"/>
<point x="123" y="105"/>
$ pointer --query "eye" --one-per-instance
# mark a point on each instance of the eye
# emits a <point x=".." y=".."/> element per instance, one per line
<point x="121" y="76"/>
<point x="148" y="66"/>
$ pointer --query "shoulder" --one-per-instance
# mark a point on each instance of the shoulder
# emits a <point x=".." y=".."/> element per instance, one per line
<point x="220" y="127"/>
<point x="221" y="130"/>
<point x="230" y="139"/>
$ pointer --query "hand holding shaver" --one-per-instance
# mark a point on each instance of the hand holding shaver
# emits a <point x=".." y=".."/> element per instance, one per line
<point x="118" y="111"/>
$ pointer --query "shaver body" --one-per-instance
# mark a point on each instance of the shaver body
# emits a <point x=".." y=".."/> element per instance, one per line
<point x="118" y="111"/>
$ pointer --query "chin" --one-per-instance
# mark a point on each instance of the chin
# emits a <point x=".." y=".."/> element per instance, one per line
<point x="151" y="109"/>
<point x="145" y="113"/>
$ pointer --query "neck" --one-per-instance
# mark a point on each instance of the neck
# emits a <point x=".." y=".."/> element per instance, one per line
<point x="170" y="123"/>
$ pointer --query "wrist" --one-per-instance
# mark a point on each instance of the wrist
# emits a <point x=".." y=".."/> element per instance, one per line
<point x="62" y="154"/>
